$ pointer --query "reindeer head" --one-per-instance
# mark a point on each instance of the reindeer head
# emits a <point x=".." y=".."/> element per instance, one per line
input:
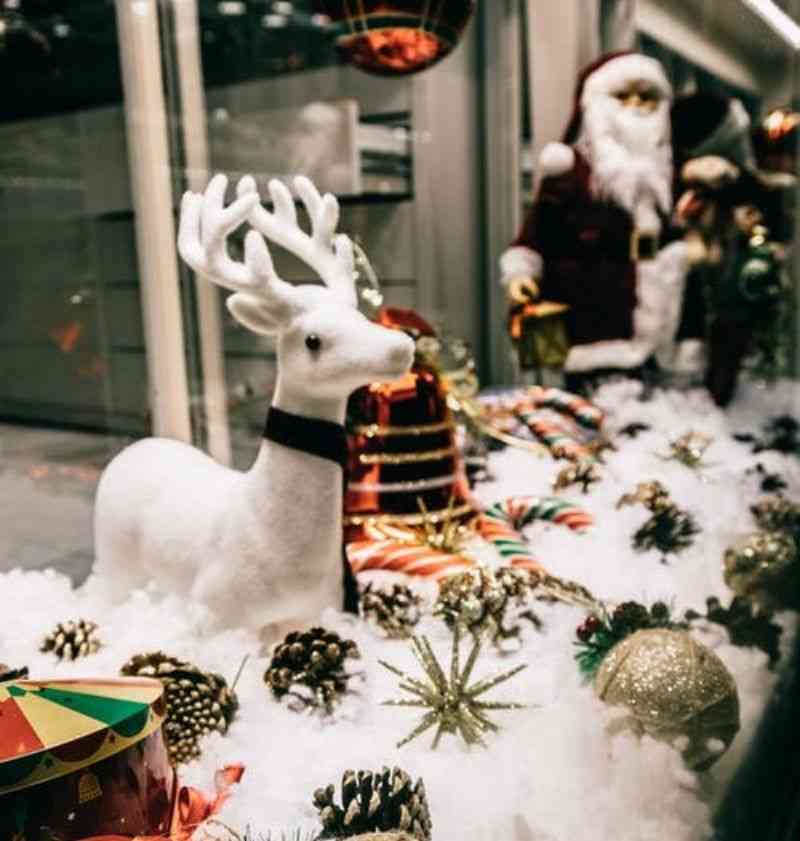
<point x="326" y="347"/>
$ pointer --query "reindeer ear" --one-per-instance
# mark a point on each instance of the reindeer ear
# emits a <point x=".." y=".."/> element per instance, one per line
<point x="253" y="314"/>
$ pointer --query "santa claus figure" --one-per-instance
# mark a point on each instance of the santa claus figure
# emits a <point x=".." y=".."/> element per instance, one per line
<point x="594" y="239"/>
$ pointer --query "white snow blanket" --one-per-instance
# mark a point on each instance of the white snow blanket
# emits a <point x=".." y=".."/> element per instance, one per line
<point x="553" y="773"/>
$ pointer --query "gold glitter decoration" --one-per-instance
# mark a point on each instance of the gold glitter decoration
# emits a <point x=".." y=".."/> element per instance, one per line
<point x="376" y="430"/>
<point x="446" y="534"/>
<point x="452" y="705"/>
<point x="653" y="495"/>
<point x="435" y="516"/>
<point x="407" y="458"/>
<point x="690" y="448"/>
<point x="758" y="567"/>
<point x="598" y="447"/>
<point x="478" y="600"/>
<point x="673" y="688"/>
<point x="776" y="513"/>
<point x="584" y="473"/>
<point x="550" y="588"/>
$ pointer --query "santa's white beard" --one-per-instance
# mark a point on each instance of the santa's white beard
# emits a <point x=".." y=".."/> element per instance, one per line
<point x="630" y="156"/>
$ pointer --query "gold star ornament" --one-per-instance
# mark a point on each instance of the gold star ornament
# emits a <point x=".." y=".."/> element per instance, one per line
<point x="452" y="705"/>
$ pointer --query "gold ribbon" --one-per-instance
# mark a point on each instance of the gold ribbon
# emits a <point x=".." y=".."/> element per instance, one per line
<point x="407" y="458"/>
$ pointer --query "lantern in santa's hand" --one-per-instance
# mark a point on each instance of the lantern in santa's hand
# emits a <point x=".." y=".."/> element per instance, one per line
<point x="539" y="333"/>
<point x="404" y="462"/>
<point x="396" y="37"/>
<point x="80" y="758"/>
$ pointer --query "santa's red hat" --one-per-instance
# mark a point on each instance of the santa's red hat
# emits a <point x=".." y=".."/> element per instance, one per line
<point x="609" y="73"/>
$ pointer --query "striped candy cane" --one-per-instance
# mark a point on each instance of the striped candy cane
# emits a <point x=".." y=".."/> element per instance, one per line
<point x="554" y="437"/>
<point x="585" y="413"/>
<point x="518" y="511"/>
<point x="395" y="548"/>
<point x="397" y="556"/>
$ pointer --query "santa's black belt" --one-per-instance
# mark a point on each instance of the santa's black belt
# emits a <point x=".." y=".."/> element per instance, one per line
<point x="641" y="245"/>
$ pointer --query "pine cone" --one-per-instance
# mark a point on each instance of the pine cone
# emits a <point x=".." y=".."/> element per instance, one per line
<point x="197" y="702"/>
<point x="376" y="802"/>
<point x="7" y="673"/>
<point x="313" y="660"/>
<point x="71" y="640"/>
<point x="629" y="617"/>
<point x="396" y="611"/>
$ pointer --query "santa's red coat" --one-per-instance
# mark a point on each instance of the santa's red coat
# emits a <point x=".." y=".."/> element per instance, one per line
<point x="585" y="247"/>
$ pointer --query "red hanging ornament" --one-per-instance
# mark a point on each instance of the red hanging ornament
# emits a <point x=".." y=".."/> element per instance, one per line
<point x="396" y="37"/>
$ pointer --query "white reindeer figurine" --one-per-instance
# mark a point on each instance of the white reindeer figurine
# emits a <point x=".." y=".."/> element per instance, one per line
<point x="260" y="548"/>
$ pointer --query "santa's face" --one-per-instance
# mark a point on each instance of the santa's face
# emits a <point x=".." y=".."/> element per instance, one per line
<point x="638" y="95"/>
<point x="626" y="138"/>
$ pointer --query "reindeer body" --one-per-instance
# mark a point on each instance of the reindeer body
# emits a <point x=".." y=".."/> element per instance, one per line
<point x="263" y="547"/>
<point x="257" y="547"/>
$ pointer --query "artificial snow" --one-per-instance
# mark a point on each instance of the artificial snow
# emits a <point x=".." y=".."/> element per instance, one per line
<point x="553" y="773"/>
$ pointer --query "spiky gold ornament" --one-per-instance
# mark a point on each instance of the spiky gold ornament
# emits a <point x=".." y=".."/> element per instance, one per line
<point x="387" y="801"/>
<point x="452" y="705"/>
<point x="198" y="703"/>
<point x="71" y="640"/>
<point x="446" y="533"/>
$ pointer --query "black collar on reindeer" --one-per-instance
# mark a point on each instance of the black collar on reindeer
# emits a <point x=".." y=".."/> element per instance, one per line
<point x="322" y="438"/>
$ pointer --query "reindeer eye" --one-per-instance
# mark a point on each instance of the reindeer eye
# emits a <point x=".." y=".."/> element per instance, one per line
<point x="313" y="342"/>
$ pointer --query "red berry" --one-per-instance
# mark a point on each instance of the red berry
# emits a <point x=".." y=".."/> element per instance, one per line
<point x="586" y="631"/>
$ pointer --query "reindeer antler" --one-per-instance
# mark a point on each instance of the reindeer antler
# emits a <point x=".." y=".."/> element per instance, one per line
<point x="202" y="242"/>
<point x="329" y="254"/>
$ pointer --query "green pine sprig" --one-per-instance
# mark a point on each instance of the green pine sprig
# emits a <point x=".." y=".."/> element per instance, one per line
<point x="602" y="630"/>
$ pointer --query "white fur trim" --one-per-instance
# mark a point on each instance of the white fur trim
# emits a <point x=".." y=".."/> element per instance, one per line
<point x="556" y="159"/>
<point x="619" y="71"/>
<point x="659" y="291"/>
<point x="519" y="261"/>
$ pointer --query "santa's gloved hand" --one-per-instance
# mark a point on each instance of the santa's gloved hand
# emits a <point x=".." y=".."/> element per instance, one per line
<point x="521" y="290"/>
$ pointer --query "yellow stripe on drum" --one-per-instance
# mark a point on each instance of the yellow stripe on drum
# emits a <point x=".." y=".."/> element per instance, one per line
<point x="55" y="724"/>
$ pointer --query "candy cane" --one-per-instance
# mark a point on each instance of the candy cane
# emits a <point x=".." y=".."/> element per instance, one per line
<point x="518" y="511"/>
<point x="560" y="443"/>
<point x="391" y="548"/>
<point x="585" y="413"/>
<point x="396" y="556"/>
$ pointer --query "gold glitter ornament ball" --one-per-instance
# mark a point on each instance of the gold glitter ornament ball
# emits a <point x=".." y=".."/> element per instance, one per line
<point x="674" y="688"/>
<point x="760" y="566"/>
